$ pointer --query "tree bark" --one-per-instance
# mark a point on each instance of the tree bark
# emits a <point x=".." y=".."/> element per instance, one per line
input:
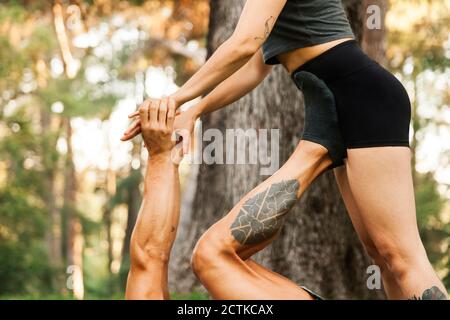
<point x="53" y="232"/>
<point x="74" y="229"/>
<point x="107" y="214"/>
<point x="373" y="39"/>
<point x="110" y="188"/>
<point x="70" y="65"/>
<point x="318" y="246"/>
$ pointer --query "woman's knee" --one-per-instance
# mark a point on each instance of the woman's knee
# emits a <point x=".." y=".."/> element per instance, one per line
<point x="209" y="249"/>
<point x="374" y="254"/>
<point x="400" y="259"/>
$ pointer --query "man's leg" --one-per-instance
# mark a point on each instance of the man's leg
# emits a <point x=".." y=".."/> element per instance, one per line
<point x="157" y="221"/>
<point x="221" y="258"/>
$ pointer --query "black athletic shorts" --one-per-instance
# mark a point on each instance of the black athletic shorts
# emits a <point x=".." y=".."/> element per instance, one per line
<point x="373" y="107"/>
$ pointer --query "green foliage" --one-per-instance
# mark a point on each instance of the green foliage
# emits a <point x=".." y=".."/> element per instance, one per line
<point x="417" y="48"/>
<point x="12" y="12"/>
<point x="429" y="201"/>
<point x="24" y="267"/>
<point x="17" y="8"/>
<point x="17" y="148"/>
<point x="124" y="185"/>
<point x="78" y="97"/>
<point x="23" y="263"/>
<point x="425" y="42"/>
<point x="434" y="231"/>
<point x="11" y="65"/>
<point x="41" y="44"/>
<point x="29" y="154"/>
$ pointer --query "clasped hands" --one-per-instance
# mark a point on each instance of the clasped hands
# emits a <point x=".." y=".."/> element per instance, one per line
<point x="162" y="126"/>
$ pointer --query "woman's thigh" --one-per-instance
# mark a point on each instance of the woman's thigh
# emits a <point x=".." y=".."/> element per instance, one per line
<point x="340" y="174"/>
<point x="381" y="183"/>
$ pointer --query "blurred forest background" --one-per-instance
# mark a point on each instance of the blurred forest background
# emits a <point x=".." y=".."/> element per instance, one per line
<point x="70" y="73"/>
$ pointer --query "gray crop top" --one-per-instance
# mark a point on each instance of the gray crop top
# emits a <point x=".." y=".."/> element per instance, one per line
<point x="304" y="23"/>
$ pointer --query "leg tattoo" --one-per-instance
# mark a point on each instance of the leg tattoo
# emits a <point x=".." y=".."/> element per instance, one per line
<point x="431" y="294"/>
<point x="262" y="215"/>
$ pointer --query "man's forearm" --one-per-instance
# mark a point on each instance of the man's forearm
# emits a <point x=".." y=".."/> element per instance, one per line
<point x="160" y="203"/>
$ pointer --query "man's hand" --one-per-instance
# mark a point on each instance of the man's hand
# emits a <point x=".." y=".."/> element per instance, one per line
<point x="156" y="123"/>
<point x="183" y="124"/>
<point x="135" y="128"/>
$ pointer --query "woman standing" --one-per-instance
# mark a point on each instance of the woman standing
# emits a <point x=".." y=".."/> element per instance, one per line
<point x="313" y="40"/>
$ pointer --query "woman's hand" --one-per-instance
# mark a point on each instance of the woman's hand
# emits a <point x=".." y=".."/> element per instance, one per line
<point x="184" y="127"/>
<point x="134" y="129"/>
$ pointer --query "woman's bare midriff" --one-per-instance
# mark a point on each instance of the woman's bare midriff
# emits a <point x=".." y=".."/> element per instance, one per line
<point x="294" y="59"/>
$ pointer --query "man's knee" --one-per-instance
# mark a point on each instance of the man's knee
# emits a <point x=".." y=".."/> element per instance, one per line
<point x="209" y="249"/>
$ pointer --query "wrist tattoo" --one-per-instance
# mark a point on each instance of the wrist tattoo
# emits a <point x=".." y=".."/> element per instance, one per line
<point x="431" y="294"/>
<point x="266" y="29"/>
<point x="262" y="216"/>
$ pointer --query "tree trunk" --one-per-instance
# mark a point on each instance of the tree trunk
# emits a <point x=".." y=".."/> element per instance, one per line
<point x="110" y="187"/>
<point x="53" y="233"/>
<point x="74" y="230"/>
<point x="318" y="246"/>
<point x="374" y="39"/>
<point x="107" y="217"/>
